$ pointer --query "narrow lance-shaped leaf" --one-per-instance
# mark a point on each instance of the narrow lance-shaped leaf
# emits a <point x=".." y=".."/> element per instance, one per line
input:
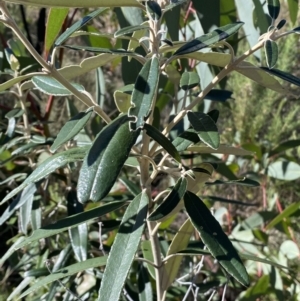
<point x="80" y="23"/>
<point x="206" y="40"/>
<point x="144" y="93"/>
<point x="179" y="242"/>
<point x="67" y="271"/>
<point x="290" y="210"/>
<point x="56" y="18"/>
<point x="144" y="284"/>
<point x="284" y="146"/>
<point x="51" y="86"/>
<point x="206" y="128"/>
<point x="130" y="29"/>
<point x="25" y="196"/>
<point x="102" y="50"/>
<point x="68" y="223"/>
<point x="274" y="8"/>
<point x="48" y="166"/>
<point x="283" y="170"/>
<point x="156" y="135"/>
<point x="214" y="238"/>
<point x="71" y="128"/>
<point x="271" y="52"/>
<point x="283" y="75"/>
<point x="79" y="237"/>
<point x="170" y="202"/>
<point x="154" y="10"/>
<point x="106" y="157"/>
<point x="124" y="248"/>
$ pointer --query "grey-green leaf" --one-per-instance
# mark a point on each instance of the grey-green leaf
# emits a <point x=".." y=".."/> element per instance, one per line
<point x="154" y="10"/>
<point x="144" y="93"/>
<point x="283" y="75"/>
<point x="25" y="196"/>
<point x="48" y="166"/>
<point x="124" y="248"/>
<point x="189" y="80"/>
<point x="271" y="52"/>
<point x="71" y="128"/>
<point x="206" y="128"/>
<point x="273" y="8"/>
<point x="206" y="40"/>
<point x="185" y="139"/>
<point x="79" y="238"/>
<point x="68" y="223"/>
<point x="80" y="23"/>
<point x="129" y="29"/>
<point x="156" y="135"/>
<point x="51" y="86"/>
<point x="106" y="157"/>
<point x="67" y="271"/>
<point x="214" y="238"/>
<point x="170" y="202"/>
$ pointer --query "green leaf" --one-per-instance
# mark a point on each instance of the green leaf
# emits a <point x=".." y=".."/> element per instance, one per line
<point x="288" y="211"/>
<point x="206" y="128"/>
<point x="48" y="166"/>
<point x="179" y="242"/>
<point x="284" y="146"/>
<point x="130" y="29"/>
<point x="170" y="202"/>
<point x="214" y="238"/>
<point x="271" y="52"/>
<point x="293" y="9"/>
<point x="283" y="170"/>
<point x="184" y="140"/>
<point x="283" y="75"/>
<point x="144" y="285"/>
<point x="124" y="248"/>
<point x="106" y="157"/>
<point x="222" y="149"/>
<point x="189" y="80"/>
<point x="14" y="113"/>
<point x="71" y="128"/>
<point x="274" y="8"/>
<point x="144" y="93"/>
<point x="223" y="200"/>
<point x="206" y="40"/>
<point x="79" y="238"/>
<point x="80" y="23"/>
<point x="242" y="182"/>
<point x="26" y="208"/>
<point x="261" y="77"/>
<point x="25" y="196"/>
<point x="120" y="52"/>
<point x="162" y="140"/>
<point x="67" y="271"/>
<point x="68" y="222"/>
<point x="147" y="254"/>
<point x="51" y="86"/>
<point x="154" y="10"/>
<point x="122" y="98"/>
<point x="56" y="18"/>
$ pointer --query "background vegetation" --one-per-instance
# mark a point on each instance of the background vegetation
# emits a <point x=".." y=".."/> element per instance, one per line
<point x="261" y="221"/>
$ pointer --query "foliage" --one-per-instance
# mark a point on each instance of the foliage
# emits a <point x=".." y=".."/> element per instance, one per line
<point x="109" y="227"/>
